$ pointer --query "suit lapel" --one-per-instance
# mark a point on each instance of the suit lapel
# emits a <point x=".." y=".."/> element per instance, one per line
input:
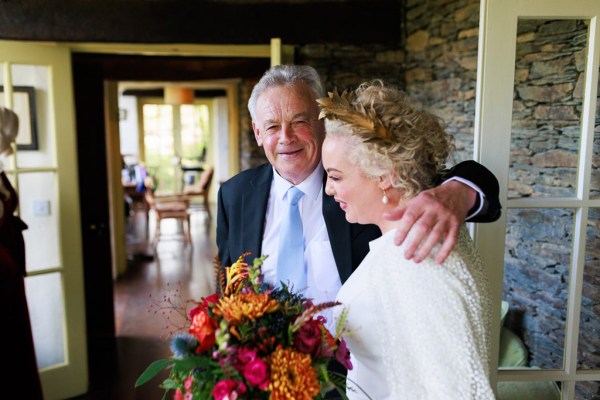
<point x="254" y="209"/>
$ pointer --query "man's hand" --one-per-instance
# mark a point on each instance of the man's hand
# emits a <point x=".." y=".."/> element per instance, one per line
<point x="434" y="216"/>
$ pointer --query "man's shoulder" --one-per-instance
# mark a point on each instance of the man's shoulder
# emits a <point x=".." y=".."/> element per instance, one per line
<point x="246" y="175"/>
<point x="248" y="179"/>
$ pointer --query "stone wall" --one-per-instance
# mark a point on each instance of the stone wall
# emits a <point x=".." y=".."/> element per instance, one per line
<point x="441" y="64"/>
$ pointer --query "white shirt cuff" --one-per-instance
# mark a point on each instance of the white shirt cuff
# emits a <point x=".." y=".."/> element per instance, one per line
<point x="475" y="188"/>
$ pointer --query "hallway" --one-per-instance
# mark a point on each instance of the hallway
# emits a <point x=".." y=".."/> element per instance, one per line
<point x="144" y="318"/>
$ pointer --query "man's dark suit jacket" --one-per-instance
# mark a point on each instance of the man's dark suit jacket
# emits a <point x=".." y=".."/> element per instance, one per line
<point x="242" y="205"/>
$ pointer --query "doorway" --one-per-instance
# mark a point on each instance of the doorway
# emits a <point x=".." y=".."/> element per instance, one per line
<point x="173" y="144"/>
<point x="90" y="74"/>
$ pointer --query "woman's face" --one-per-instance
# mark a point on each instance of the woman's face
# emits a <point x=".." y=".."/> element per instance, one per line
<point x="358" y="195"/>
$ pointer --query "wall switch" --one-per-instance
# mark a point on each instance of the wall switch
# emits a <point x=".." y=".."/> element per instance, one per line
<point x="41" y="208"/>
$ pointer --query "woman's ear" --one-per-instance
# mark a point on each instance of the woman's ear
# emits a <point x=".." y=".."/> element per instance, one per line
<point x="384" y="183"/>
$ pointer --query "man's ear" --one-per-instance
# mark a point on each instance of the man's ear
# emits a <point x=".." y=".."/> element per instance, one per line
<point x="257" y="136"/>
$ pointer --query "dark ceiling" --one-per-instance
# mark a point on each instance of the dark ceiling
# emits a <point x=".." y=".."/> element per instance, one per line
<point x="207" y="22"/>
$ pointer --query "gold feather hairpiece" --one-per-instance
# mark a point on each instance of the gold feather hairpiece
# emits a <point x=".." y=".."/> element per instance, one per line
<point x="340" y="107"/>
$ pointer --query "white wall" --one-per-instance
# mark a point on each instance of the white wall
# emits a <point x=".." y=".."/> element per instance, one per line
<point x="128" y="127"/>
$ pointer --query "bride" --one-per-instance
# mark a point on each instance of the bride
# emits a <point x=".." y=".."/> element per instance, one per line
<point x="418" y="331"/>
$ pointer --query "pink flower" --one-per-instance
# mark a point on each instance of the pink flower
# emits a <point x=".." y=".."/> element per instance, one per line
<point x="308" y="338"/>
<point x="178" y="395"/>
<point x="256" y="373"/>
<point x="187" y="384"/>
<point x="245" y="355"/>
<point x="228" y="389"/>
<point x="188" y="396"/>
<point x="342" y="355"/>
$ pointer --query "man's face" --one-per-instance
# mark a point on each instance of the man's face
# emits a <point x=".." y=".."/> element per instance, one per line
<point x="288" y="129"/>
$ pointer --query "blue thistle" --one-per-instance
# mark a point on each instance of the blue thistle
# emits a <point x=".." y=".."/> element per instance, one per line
<point x="183" y="345"/>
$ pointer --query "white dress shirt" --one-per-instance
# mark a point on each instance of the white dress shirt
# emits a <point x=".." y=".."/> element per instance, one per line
<point x="475" y="188"/>
<point x="323" y="280"/>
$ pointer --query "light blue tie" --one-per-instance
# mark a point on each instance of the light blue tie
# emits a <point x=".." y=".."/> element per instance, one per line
<point x="290" y="259"/>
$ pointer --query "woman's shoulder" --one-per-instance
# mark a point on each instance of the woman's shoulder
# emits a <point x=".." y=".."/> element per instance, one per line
<point x="462" y="261"/>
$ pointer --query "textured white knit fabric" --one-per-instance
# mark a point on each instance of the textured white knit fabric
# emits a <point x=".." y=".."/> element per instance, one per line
<point x="419" y="331"/>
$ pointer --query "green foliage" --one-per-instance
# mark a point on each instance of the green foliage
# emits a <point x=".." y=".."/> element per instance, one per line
<point x="152" y="370"/>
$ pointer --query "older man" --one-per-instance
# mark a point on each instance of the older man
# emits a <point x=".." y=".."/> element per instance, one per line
<point x="251" y="205"/>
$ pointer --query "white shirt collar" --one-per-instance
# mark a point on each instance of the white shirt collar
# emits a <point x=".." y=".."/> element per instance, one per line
<point x="311" y="186"/>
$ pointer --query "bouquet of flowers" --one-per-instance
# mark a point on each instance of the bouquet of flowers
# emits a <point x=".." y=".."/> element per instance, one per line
<point x="253" y="341"/>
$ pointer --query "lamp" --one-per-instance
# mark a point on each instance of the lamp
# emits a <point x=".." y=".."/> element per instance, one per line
<point x="179" y="95"/>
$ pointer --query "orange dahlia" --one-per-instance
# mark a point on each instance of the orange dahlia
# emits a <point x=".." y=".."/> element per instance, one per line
<point x="245" y="306"/>
<point x="292" y="376"/>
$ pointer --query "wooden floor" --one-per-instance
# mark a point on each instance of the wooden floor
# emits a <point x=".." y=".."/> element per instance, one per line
<point x="145" y="298"/>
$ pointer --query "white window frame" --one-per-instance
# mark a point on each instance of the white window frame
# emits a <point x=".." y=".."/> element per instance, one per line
<point x="496" y="66"/>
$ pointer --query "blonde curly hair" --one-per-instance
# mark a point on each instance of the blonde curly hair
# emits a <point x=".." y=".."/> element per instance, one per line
<point x="389" y="135"/>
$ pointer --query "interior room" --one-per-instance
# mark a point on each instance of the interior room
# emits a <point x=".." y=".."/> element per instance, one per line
<point x="134" y="113"/>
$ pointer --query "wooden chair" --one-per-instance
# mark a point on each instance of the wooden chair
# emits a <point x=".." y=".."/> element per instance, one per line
<point x="201" y="188"/>
<point x="168" y="207"/>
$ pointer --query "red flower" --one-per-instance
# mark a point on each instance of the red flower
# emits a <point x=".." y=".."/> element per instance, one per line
<point x="308" y="338"/>
<point x="256" y="373"/>
<point x="228" y="389"/>
<point x="178" y="395"/>
<point x="211" y="300"/>
<point x="203" y="327"/>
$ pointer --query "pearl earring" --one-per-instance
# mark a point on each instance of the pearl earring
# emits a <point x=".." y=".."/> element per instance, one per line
<point x="384" y="199"/>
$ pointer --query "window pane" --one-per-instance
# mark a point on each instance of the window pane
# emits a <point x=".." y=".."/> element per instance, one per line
<point x="587" y="390"/>
<point x="536" y="276"/>
<point x="528" y="390"/>
<point x="549" y="75"/>
<point x="159" y="145"/>
<point x="46" y="309"/>
<point x="595" y="181"/>
<point x="194" y="141"/>
<point x="588" y="356"/>
<point x="194" y="132"/>
<point x="39" y="209"/>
